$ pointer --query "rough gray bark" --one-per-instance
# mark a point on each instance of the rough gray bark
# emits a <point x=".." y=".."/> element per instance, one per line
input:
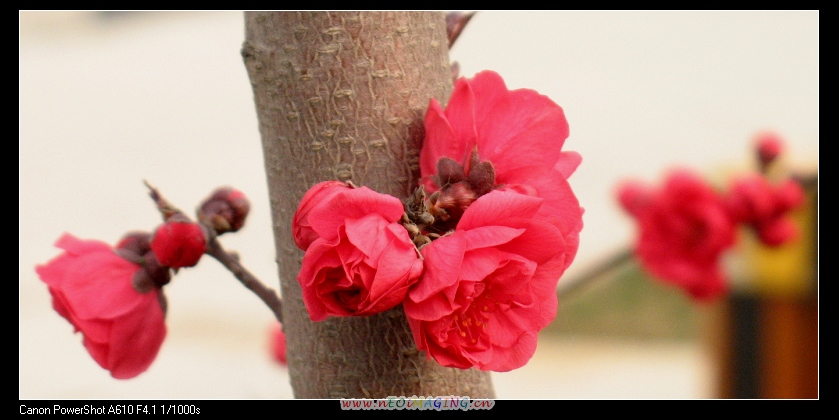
<point x="341" y="95"/>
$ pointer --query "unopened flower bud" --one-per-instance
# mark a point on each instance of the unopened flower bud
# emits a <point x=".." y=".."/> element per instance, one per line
<point x="225" y="210"/>
<point x="449" y="172"/>
<point x="482" y="178"/>
<point x="768" y="147"/>
<point x="179" y="242"/>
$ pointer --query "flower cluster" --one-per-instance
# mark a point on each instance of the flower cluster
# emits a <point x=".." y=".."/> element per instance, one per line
<point x="683" y="230"/>
<point x="765" y="207"/>
<point x="474" y="256"/>
<point x="685" y="226"/>
<point x="114" y="295"/>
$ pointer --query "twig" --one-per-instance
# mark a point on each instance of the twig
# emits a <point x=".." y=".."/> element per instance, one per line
<point x="164" y="206"/>
<point x="455" y="22"/>
<point x="619" y="260"/>
<point x="228" y="259"/>
<point x="231" y="262"/>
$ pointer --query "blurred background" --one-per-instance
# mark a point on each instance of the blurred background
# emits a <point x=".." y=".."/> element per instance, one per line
<point x="107" y="100"/>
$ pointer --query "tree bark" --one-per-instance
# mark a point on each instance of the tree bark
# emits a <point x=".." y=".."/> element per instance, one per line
<point x="341" y="95"/>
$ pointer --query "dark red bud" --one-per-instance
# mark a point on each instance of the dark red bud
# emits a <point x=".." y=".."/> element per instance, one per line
<point x="449" y="172"/>
<point x="482" y="178"/>
<point x="768" y="147"/>
<point x="225" y="210"/>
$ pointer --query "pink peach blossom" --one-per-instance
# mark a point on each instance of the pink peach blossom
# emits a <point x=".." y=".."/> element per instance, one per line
<point x="225" y="210"/>
<point x="683" y="230"/>
<point x="93" y="288"/>
<point x="363" y="260"/>
<point x="489" y="287"/>
<point x="519" y="132"/>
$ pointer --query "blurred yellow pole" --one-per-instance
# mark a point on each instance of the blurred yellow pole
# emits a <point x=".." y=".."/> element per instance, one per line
<point x="765" y="335"/>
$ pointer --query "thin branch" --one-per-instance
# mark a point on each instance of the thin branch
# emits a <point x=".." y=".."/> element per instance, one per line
<point x="619" y="260"/>
<point x="166" y="208"/>
<point x="231" y="262"/>
<point x="455" y="22"/>
<point x="228" y="259"/>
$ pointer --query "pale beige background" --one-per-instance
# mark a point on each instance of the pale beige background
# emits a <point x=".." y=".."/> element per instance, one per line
<point x="105" y="102"/>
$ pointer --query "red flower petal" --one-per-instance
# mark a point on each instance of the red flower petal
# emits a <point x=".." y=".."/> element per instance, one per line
<point x="500" y="206"/>
<point x="354" y="203"/>
<point x="136" y="338"/>
<point x="304" y="235"/>
<point x="560" y="205"/>
<point x="460" y="114"/>
<point x="98" y="288"/>
<point x="568" y="163"/>
<point x="440" y="141"/>
<point x="523" y="129"/>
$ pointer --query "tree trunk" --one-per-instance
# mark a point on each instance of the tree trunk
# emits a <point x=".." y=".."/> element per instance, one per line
<point x="341" y="95"/>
